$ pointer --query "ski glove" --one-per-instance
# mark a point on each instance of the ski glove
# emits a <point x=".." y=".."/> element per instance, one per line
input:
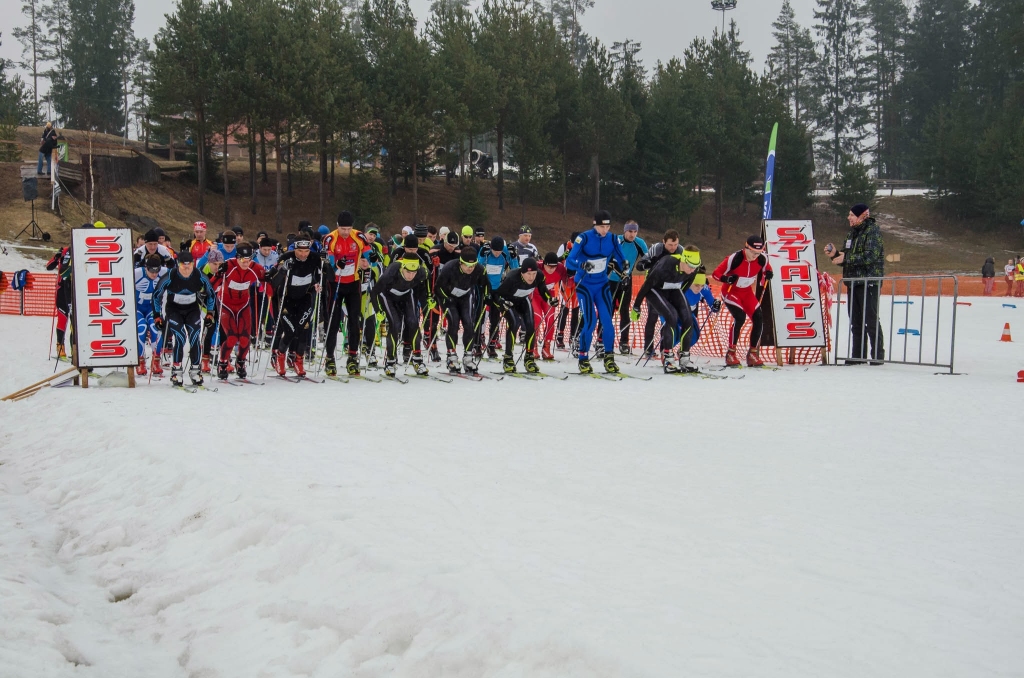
<point x="730" y="279"/>
<point x="431" y="304"/>
<point x="380" y="317"/>
<point x="158" y="322"/>
<point x="614" y="267"/>
<point x="588" y="266"/>
<point x="769" y="274"/>
<point x="208" y="321"/>
<point x="634" y="315"/>
<point x="717" y="306"/>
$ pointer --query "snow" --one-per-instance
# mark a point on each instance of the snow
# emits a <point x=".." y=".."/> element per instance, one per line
<point x="862" y="521"/>
<point x="18" y="256"/>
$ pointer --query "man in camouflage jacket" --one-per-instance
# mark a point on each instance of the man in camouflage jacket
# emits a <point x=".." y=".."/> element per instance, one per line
<point x="863" y="256"/>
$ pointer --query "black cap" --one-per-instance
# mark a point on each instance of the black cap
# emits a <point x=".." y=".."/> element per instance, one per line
<point x="468" y="254"/>
<point x="237" y="230"/>
<point x="452" y="238"/>
<point x="755" y="242"/>
<point x="603" y="217"/>
<point x="185" y="257"/>
<point x="160" y="232"/>
<point x="497" y="244"/>
<point x="551" y="259"/>
<point x="244" y="250"/>
<point x="228" y="238"/>
<point x="410" y="241"/>
<point x="151" y="236"/>
<point x="859" y="209"/>
<point x="525" y="229"/>
<point x="346" y="219"/>
<point x="268" y="242"/>
<point x="479" y="232"/>
<point x="420" y="231"/>
<point x="305" y="225"/>
<point x="154" y="262"/>
<point x="529" y="264"/>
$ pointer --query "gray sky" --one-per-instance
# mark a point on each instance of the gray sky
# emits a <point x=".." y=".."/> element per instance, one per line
<point x="663" y="27"/>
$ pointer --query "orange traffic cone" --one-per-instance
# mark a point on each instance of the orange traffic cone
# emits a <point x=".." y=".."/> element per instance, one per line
<point x="1020" y="377"/>
<point x="1006" y="333"/>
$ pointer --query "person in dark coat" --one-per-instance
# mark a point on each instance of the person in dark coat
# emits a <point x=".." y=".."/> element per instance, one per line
<point x="862" y="256"/>
<point x="988" y="275"/>
<point x="48" y="142"/>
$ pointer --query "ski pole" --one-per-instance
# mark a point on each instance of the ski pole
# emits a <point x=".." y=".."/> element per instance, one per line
<point x="277" y="324"/>
<point x="327" y="329"/>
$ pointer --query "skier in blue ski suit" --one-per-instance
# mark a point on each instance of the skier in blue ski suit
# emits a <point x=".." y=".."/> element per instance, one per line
<point x="146" y="278"/>
<point x="693" y="299"/>
<point x="497" y="262"/>
<point x="593" y="253"/>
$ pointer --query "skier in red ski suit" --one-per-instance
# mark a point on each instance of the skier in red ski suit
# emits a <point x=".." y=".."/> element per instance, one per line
<point x="236" y="283"/>
<point x="741" y="274"/>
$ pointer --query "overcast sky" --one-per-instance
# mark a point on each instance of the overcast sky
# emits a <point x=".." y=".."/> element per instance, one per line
<point x="663" y="27"/>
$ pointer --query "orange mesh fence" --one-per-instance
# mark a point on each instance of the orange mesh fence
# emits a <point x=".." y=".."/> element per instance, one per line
<point x="38" y="298"/>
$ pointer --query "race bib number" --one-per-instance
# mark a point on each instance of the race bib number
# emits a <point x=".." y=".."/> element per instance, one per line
<point x="145" y="296"/>
<point x="302" y="281"/>
<point x="599" y="265"/>
<point x="458" y="292"/>
<point x="400" y="293"/>
<point x="746" y="282"/>
<point x="495" y="269"/>
<point x="183" y="299"/>
<point x="672" y="286"/>
<point x="349" y="269"/>
<point x="238" y="286"/>
<point x="523" y="293"/>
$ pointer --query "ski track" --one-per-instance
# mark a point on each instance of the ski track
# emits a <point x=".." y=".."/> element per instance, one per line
<point x="836" y="522"/>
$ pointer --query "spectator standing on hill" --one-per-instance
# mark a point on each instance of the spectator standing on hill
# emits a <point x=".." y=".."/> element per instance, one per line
<point x="47" y="143"/>
<point x="1008" y="270"/>
<point x="988" y="274"/>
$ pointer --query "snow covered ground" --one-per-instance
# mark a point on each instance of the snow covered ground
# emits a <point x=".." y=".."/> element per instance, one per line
<point x="862" y="521"/>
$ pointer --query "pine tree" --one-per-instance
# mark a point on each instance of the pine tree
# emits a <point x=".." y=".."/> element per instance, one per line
<point x="851" y="185"/>
<point x="15" y="102"/>
<point x="34" y="47"/>
<point x="568" y="15"/>
<point x="792" y="61"/>
<point x="887" y="23"/>
<point x="840" y="79"/>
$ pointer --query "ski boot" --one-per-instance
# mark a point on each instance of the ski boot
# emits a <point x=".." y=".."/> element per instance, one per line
<point x="452" y="361"/>
<point x="668" y="363"/>
<point x="435" y="356"/>
<point x="546" y="353"/>
<point x="530" y="363"/>
<point x="560" y="343"/>
<point x="753" y="359"/>
<point x="471" y="364"/>
<point x="352" y="365"/>
<point x="206" y="364"/>
<point x="508" y="365"/>
<point x="195" y="375"/>
<point x="176" y="375"/>
<point x="492" y="353"/>
<point x="730" y="357"/>
<point x="140" y="369"/>
<point x="390" y="368"/>
<point x="222" y="371"/>
<point x="609" y="363"/>
<point x="684" y="363"/>
<point x="277" y="359"/>
<point x="155" y="366"/>
<point x="300" y="369"/>
<point x="574" y="348"/>
<point x="478" y="353"/>
<point x="585" y="367"/>
<point x="624" y="349"/>
<point x="330" y="368"/>
<point x="418" y="366"/>
<point x="371" y="361"/>
<point x="61" y="354"/>
<point x="598" y="349"/>
<point x="240" y="369"/>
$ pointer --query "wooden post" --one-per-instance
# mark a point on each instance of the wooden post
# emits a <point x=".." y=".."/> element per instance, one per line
<point x="83" y="374"/>
<point x="131" y="377"/>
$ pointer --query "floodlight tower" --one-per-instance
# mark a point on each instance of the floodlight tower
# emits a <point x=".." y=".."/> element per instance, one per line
<point x="723" y="6"/>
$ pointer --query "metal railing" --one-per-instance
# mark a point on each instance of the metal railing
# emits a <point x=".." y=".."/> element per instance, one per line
<point x="866" y="298"/>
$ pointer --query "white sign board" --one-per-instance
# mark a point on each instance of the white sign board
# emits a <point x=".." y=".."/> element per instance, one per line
<point x="104" y="311"/>
<point x="796" y="299"/>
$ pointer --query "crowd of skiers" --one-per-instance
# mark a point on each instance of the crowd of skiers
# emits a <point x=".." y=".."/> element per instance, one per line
<point x="206" y="304"/>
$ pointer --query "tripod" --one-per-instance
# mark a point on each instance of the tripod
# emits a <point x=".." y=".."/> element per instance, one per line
<point x="35" y="233"/>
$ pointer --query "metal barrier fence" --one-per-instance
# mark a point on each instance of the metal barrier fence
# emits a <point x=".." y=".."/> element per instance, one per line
<point x="932" y="343"/>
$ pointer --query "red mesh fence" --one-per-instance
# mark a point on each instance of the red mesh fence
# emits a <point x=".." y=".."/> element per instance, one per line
<point x="38" y="298"/>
